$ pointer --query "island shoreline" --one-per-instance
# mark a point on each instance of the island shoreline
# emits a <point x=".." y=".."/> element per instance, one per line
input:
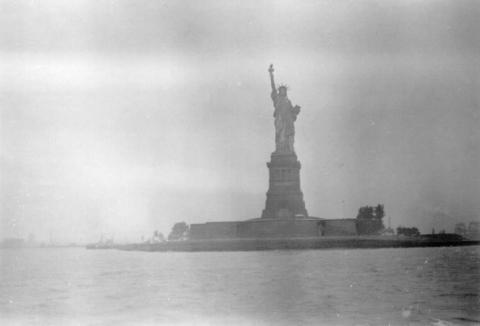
<point x="289" y="244"/>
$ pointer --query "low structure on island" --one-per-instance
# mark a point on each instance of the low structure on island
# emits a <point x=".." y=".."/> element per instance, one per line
<point x="261" y="228"/>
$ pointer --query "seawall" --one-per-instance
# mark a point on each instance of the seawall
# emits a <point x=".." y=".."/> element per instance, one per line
<point x="293" y="244"/>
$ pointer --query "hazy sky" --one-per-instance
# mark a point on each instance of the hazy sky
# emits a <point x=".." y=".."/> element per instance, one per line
<point x="122" y="117"/>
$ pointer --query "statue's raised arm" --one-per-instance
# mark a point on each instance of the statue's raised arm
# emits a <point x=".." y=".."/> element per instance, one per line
<point x="272" y="81"/>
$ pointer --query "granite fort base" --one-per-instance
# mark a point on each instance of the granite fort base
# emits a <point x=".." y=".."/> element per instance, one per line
<point x="263" y="228"/>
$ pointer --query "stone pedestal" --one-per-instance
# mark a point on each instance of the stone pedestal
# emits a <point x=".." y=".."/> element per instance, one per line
<point x="284" y="196"/>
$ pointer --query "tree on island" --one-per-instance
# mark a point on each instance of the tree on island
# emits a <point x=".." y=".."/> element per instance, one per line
<point x="370" y="219"/>
<point x="157" y="237"/>
<point x="461" y="229"/>
<point x="474" y="230"/>
<point x="179" y="231"/>
<point x="379" y="212"/>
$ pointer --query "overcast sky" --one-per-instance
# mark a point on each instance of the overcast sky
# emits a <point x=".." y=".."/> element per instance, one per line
<point x="122" y="117"/>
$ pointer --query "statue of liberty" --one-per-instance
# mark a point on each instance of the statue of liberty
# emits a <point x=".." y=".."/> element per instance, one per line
<point x="285" y="115"/>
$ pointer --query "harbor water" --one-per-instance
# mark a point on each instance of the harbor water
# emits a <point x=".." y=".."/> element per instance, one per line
<point x="75" y="286"/>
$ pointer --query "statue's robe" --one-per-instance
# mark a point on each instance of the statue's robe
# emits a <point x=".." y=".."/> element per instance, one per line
<point x="284" y="121"/>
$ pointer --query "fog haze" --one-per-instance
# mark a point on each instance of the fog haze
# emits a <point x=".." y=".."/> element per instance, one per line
<point x="125" y="117"/>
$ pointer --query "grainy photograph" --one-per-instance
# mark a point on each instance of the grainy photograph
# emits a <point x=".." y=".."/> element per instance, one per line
<point x="239" y="162"/>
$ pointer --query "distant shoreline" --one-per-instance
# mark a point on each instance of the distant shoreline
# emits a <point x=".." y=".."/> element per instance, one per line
<point x="354" y="242"/>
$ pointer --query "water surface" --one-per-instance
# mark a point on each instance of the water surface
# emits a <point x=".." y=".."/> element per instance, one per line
<point x="411" y="286"/>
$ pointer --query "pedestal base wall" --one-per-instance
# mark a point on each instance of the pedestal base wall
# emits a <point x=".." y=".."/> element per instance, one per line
<point x="274" y="228"/>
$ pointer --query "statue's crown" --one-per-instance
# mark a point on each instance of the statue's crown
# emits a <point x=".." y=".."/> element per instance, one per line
<point x="283" y="86"/>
